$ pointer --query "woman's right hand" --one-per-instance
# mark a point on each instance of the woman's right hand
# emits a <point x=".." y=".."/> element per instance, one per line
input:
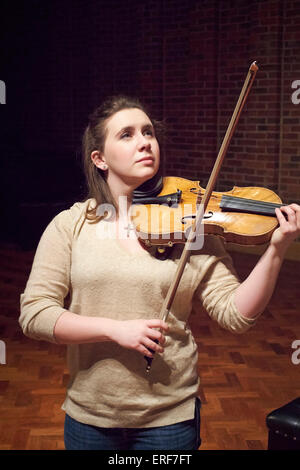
<point x="139" y="335"/>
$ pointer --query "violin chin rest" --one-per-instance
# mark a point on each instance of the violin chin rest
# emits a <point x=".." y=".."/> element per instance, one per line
<point x="150" y="188"/>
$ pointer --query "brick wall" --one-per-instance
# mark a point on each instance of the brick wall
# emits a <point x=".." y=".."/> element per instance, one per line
<point x="206" y="48"/>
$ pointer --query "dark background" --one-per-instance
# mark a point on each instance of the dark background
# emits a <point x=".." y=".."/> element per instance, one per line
<point x="187" y="60"/>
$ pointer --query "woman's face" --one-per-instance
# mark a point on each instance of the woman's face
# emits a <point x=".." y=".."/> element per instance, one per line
<point x="131" y="151"/>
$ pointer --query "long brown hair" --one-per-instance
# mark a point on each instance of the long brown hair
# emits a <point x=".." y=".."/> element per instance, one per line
<point x="94" y="139"/>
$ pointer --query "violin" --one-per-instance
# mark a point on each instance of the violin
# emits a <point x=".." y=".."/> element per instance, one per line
<point x="243" y="215"/>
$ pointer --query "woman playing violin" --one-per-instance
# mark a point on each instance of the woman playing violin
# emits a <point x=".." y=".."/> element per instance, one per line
<point x="116" y="286"/>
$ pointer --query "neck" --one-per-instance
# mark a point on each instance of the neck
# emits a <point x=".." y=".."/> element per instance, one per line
<point x="122" y="192"/>
<point x="123" y="197"/>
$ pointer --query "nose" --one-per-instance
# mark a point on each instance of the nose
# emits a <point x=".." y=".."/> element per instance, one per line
<point x="144" y="143"/>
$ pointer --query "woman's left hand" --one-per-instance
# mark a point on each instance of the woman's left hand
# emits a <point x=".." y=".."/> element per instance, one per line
<point x="289" y="226"/>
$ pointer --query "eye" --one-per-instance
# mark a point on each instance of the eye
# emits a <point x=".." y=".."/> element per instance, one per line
<point x="125" y="135"/>
<point x="149" y="132"/>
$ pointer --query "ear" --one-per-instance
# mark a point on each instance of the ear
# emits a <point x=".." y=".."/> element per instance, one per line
<point x="99" y="160"/>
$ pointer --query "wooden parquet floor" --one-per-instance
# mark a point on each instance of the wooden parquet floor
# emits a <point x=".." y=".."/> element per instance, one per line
<point x="243" y="377"/>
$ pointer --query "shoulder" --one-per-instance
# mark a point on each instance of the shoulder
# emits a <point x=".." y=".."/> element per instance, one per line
<point x="212" y="253"/>
<point x="72" y="218"/>
<point x="78" y="209"/>
<point x="211" y="245"/>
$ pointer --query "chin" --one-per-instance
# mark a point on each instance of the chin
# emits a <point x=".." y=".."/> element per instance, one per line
<point x="145" y="176"/>
<point x="149" y="173"/>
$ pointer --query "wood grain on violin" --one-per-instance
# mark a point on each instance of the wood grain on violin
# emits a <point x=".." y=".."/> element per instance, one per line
<point x="245" y="216"/>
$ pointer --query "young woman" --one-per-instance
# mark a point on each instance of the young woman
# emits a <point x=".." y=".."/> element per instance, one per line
<point x="117" y="286"/>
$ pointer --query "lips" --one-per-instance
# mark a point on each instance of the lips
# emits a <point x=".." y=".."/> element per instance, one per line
<point x="147" y="158"/>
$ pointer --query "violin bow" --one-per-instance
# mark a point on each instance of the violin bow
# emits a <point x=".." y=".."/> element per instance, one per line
<point x="207" y="194"/>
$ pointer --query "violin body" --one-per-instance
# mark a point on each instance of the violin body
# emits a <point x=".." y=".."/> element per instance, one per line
<point x="244" y="216"/>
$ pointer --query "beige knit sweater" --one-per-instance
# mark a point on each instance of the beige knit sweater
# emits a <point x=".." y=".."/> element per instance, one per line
<point x="108" y="384"/>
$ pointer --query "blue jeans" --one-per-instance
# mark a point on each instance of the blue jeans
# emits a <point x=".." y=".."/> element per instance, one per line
<point x="180" y="436"/>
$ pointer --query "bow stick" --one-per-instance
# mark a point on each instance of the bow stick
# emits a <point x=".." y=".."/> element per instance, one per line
<point x="207" y="194"/>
